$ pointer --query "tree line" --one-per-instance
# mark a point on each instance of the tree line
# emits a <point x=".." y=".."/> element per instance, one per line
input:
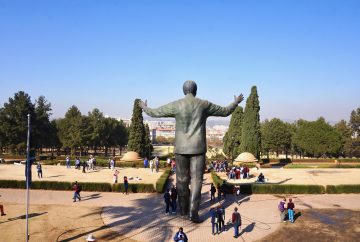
<point x="304" y="138"/>
<point x="73" y="133"/>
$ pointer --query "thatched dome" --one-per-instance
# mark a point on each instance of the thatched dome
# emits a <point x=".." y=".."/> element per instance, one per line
<point x="131" y="156"/>
<point x="246" y="157"/>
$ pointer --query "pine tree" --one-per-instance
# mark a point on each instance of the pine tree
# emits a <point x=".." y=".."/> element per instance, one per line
<point x="137" y="131"/>
<point x="148" y="146"/>
<point x="251" y="135"/>
<point x="232" y="138"/>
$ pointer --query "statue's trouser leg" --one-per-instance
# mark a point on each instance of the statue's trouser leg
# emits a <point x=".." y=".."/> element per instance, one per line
<point x="197" y="166"/>
<point x="182" y="182"/>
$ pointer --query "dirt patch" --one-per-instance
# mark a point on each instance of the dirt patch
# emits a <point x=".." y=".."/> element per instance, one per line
<point x="55" y="223"/>
<point x="320" y="225"/>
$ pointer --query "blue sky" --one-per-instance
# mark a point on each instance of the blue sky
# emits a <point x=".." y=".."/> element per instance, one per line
<point x="304" y="56"/>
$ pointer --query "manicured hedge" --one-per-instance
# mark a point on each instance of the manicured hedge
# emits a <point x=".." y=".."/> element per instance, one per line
<point x="269" y="188"/>
<point x="12" y="184"/>
<point x="134" y="188"/>
<point x="334" y="189"/>
<point x="161" y="182"/>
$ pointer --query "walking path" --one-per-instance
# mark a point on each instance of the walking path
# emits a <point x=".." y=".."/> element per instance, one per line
<point x="142" y="217"/>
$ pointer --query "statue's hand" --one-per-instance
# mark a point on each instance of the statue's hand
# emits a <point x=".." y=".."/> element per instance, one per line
<point x="238" y="99"/>
<point x="143" y="104"/>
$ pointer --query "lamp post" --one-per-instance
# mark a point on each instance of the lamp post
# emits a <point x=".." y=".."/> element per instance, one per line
<point x="28" y="175"/>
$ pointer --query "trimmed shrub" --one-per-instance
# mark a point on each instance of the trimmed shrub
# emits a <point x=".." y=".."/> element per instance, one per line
<point x="12" y="184"/>
<point x="161" y="182"/>
<point x="51" y="185"/>
<point x="134" y="188"/>
<point x="335" y="189"/>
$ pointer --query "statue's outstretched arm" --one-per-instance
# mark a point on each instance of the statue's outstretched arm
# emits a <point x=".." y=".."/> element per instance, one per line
<point x="216" y="110"/>
<point x="167" y="110"/>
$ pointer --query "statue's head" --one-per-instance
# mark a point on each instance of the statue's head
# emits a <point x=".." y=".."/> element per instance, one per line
<point x="190" y="87"/>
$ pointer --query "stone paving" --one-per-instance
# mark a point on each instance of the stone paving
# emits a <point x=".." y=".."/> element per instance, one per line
<point x="142" y="216"/>
<point x="318" y="176"/>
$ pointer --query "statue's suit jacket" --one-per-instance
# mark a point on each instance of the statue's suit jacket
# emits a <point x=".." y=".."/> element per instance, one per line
<point x="190" y="114"/>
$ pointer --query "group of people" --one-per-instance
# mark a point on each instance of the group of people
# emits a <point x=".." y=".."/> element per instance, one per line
<point x="221" y="189"/>
<point x="126" y="182"/>
<point x="154" y="163"/>
<point x="289" y="208"/>
<point x="219" y="165"/>
<point x="170" y="197"/>
<point x="217" y="219"/>
<point x="241" y="172"/>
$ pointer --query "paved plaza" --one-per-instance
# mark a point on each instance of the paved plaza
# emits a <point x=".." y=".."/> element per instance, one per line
<point x="318" y="176"/>
<point x="141" y="217"/>
<point x="61" y="173"/>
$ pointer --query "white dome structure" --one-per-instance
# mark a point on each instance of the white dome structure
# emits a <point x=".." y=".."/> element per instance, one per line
<point x="246" y="157"/>
<point x="131" y="156"/>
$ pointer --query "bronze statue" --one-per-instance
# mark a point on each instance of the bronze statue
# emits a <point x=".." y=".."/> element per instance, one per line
<point x="190" y="114"/>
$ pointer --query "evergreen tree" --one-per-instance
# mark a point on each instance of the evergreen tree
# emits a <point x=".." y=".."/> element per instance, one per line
<point x="232" y="138"/>
<point x="137" y="131"/>
<point x="14" y="122"/>
<point x="345" y="133"/>
<point x="148" y="146"/>
<point x="275" y="136"/>
<point x="71" y="129"/>
<point x="251" y="135"/>
<point x="42" y="127"/>
<point x="317" y="138"/>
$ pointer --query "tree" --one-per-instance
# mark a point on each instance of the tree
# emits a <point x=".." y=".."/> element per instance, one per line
<point x="14" y="122"/>
<point x="116" y="135"/>
<point x="316" y="138"/>
<point x="232" y="138"/>
<point x="352" y="145"/>
<point x="148" y="146"/>
<point x="42" y="126"/>
<point x="345" y="133"/>
<point x="251" y="135"/>
<point x="275" y="136"/>
<point x="71" y="129"/>
<point x="137" y="131"/>
<point x="96" y="129"/>
<point x="355" y="122"/>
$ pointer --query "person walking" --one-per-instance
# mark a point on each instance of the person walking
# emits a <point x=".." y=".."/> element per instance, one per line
<point x="221" y="218"/>
<point x="146" y="162"/>
<point x="76" y="189"/>
<point x="214" y="221"/>
<point x="157" y="164"/>
<point x="236" y="220"/>
<point x="126" y="185"/>
<point x="212" y="192"/>
<point x="282" y="209"/>
<point x="39" y="170"/>
<point x="236" y="193"/>
<point x="68" y="162"/>
<point x="173" y="195"/>
<point x="77" y="163"/>
<point x="152" y="165"/>
<point x="2" y="209"/>
<point x="180" y="236"/>
<point x="116" y="173"/>
<point x="219" y="191"/>
<point x="290" y="208"/>
<point x="167" y="200"/>
<point x="84" y="166"/>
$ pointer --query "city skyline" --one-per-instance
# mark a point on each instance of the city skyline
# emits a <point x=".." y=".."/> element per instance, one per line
<point x="303" y="57"/>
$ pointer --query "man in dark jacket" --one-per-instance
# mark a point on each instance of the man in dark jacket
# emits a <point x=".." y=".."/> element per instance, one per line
<point x="190" y="114"/>
<point x="167" y="200"/>
<point x="173" y="199"/>
<point x="180" y="236"/>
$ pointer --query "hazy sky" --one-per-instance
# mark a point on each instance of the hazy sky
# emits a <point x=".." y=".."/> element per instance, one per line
<point x="304" y="56"/>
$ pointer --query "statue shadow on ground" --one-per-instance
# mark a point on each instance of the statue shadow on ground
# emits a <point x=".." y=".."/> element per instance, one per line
<point x="31" y="215"/>
<point x="145" y="216"/>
